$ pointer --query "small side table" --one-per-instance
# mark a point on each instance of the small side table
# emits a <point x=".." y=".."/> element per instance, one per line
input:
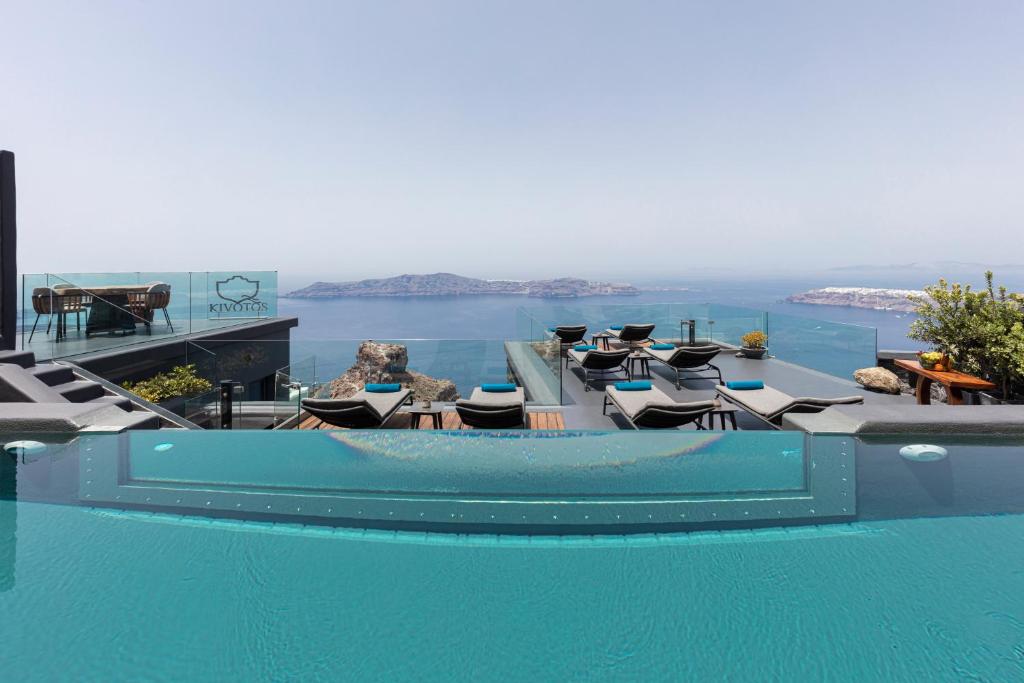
<point x="726" y="410"/>
<point x="644" y="359"/>
<point x="602" y="339"/>
<point x="418" y="410"/>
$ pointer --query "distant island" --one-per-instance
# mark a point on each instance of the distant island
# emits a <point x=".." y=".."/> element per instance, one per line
<point x="860" y="297"/>
<point x="447" y="284"/>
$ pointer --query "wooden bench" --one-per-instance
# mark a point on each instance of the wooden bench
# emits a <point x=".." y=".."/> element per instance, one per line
<point x="955" y="382"/>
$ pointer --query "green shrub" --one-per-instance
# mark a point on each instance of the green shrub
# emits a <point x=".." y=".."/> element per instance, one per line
<point x="180" y="381"/>
<point x="982" y="331"/>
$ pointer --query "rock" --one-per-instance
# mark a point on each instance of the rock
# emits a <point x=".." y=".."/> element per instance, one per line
<point x="387" y="363"/>
<point x="548" y="350"/>
<point x="878" y="379"/>
<point x="938" y="392"/>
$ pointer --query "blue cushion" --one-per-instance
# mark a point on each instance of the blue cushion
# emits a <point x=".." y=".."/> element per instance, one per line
<point x="615" y="327"/>
<point x="497" y="388"/>
<point x="640" y="385"/>
<point x="584" y="347"/>
<point x="745" y="384"/>
<point x="551" y="329"/>
<point x="383" y="388"/>
<point x="663" y="347"/>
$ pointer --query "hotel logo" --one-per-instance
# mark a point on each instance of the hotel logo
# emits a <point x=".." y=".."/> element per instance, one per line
<point x="239" y="296"/>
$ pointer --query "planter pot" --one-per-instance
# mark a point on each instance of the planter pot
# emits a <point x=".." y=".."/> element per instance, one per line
<point x="994" y="398"/>
<point x="756" y="354"/>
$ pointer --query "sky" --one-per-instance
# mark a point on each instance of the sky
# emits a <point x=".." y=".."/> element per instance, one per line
<point x="343" y="140"/>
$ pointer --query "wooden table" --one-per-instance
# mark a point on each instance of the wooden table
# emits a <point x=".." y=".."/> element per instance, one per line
<point x="955" y="382"/>
<point x="418" y="410"/>
<point x="108" y="311"/>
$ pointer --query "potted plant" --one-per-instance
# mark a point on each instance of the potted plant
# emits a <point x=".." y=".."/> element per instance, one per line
<point x="753" y="344"/>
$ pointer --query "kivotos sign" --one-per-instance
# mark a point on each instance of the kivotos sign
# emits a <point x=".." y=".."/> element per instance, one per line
<point x="237" y="296"/>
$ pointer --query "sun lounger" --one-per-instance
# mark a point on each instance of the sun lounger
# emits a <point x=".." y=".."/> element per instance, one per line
<point x="363" y="410"/>
<point x="600" y="362"/>
<point x="769" y="405"/>
<point x="653" y="408"/>
<point x="694" y="359"/>
<point x="493" y="410"/>
<point x="633" y="334"/>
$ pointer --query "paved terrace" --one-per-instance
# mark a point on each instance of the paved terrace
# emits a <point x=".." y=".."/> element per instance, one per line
<point x="582" y="410"/>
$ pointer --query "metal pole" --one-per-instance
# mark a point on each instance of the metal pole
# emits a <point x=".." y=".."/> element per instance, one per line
<point x="227" y="391"/>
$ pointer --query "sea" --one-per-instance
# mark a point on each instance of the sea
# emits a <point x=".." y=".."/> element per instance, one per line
<point x="494" y="316"/>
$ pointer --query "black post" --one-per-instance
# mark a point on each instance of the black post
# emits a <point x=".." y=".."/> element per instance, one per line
<point x="692" y="324"/>
<point x="8" y="254"/>
<point x="227" y="392"/>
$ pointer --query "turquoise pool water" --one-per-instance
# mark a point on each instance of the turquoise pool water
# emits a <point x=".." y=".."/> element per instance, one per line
<point x="147" y="557"/>
<point x="102" y="596"/>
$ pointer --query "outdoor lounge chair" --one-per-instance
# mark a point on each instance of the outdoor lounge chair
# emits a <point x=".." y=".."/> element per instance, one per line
<point x="694" y="359"/>
<point x="601" y="362"/>
<point x="653" y="408"/>
<point x="569" y="335"/>
<point x="769" y="405"/>
<point x="632" y="335"/>
<point x="363" y="410"/>
<point x="493" y="410"/>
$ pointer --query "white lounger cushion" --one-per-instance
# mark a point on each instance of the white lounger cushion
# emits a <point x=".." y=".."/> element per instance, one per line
<point x="664" y="355"/>
<point x="498" y="398"/>
<point x="631" y="403"/>
<point x="381" y="403"/>
<point x="770" y="403"/>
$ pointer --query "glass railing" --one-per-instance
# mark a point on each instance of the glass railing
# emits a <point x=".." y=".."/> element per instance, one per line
<point x="833" y="348"/>
<point x="68" y="314"/>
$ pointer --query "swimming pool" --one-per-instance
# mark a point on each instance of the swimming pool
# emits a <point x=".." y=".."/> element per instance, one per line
<point x="922" y="582"/>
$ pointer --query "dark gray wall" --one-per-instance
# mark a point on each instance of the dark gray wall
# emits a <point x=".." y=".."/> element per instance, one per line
<point x="8" y="253"/>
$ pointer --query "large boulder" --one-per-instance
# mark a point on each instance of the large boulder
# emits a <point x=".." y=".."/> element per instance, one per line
<point x="878" y="379"/>
<point x="387" y="363"/>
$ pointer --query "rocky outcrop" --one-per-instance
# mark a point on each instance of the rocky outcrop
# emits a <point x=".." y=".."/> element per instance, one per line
<point x="448" y="284"/>
<point x="387" y="363"/>
<point x="878" y="379"/>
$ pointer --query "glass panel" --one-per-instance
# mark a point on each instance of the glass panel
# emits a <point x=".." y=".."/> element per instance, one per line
<point x="834" y="348"/>
<point x="234" y="295"/>
<point x="97" y="311"/>
<point x="728" y="324"/>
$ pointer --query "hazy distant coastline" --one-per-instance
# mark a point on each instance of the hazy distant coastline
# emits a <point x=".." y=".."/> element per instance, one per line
<point x="448" y="284"/>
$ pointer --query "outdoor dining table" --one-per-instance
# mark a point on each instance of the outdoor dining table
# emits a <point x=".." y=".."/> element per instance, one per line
<point x="955" y="382"/>
<point x="108" y="311"/>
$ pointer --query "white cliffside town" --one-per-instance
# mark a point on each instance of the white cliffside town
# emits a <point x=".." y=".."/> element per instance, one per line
<point x="860" y="297"/>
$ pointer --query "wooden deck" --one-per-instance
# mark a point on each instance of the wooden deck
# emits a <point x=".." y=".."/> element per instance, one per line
<point x="450" y="420"/>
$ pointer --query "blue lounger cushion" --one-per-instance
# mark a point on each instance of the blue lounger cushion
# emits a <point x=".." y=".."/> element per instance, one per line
<point x="585" y="347"/>
<point x="663" y="347"/>
<point x="639" y="385"/>
<point x="498" y="388"/>
<point x="615" y="327"/>
<point x="551" y="329"/>
<point x="383" y="388"/>
<point x="745" y="385"/>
